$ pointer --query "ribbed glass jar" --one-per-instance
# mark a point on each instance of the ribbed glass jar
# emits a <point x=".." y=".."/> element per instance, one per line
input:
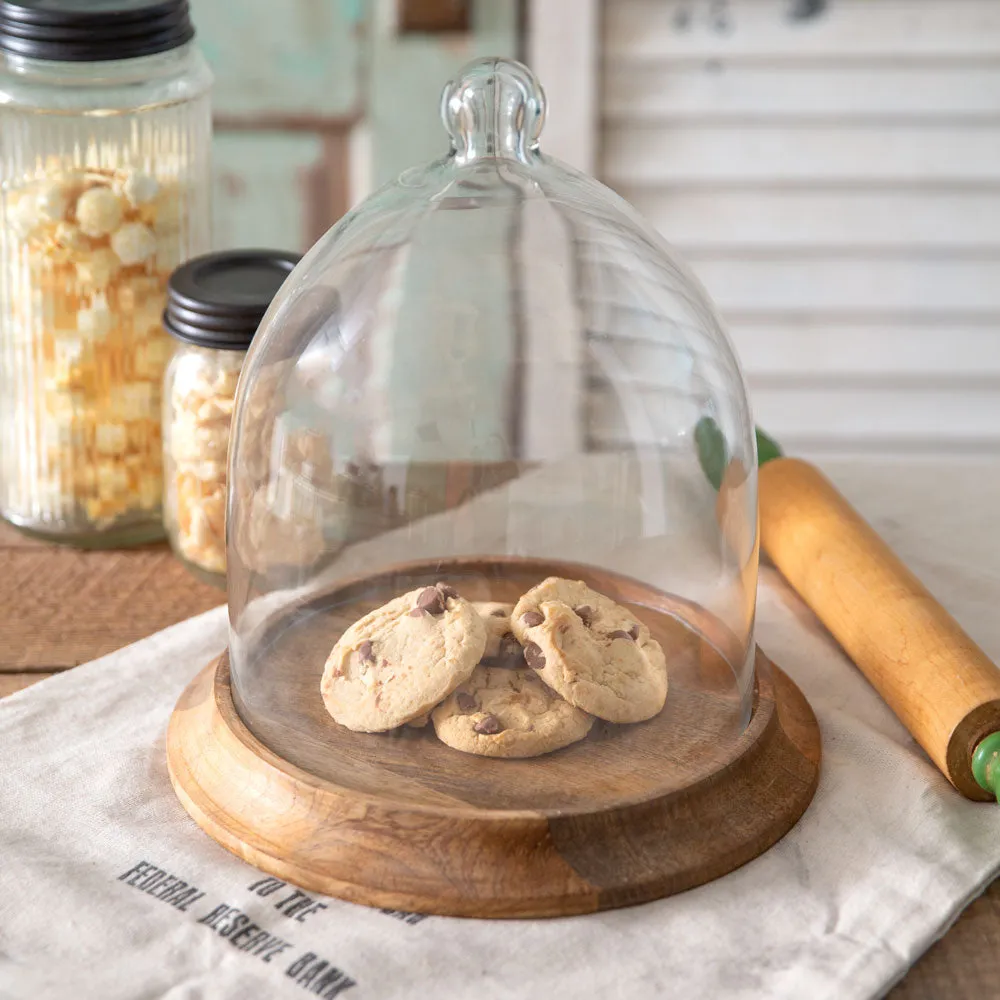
<point x="105" y="173"/>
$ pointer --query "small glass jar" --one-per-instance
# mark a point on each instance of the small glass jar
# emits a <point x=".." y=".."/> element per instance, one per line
<point x="104" y="111"/>
<point x="214" y="305"/>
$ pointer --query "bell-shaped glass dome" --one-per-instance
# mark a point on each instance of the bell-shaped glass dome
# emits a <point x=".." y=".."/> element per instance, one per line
<point x="467" y="517"/>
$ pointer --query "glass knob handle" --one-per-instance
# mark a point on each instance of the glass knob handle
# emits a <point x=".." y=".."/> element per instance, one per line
<point x="494" y="108"/>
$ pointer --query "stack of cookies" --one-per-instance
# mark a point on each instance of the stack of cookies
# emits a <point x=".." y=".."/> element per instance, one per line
<point x="498" y="680"/>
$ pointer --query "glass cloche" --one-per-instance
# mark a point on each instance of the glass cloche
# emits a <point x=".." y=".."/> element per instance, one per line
<point x="470" y="541"/>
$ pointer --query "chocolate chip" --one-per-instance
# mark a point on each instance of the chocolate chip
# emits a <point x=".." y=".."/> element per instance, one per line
<point x="622" y="634"/>
<point x="532" y="618"/>
<point x="366" y="652"/>
<point x="586" y="614"/>
<point x="634" y="632"/>
<point x="534" y="656"/>
<point x="465" y="701"/>
<point x="446" y="591"/>
<point x="497" y="613"/>
<point x="488" y="725"/>
<point x="510" y="648"/>
<point x="431" y="601"/>
<point x="418" y="613"/>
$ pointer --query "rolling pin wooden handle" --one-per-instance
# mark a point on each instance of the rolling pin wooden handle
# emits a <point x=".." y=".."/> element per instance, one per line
<point x="940" y="684"/>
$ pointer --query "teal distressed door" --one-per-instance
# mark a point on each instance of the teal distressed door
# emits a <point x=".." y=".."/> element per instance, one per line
<point x="317" y="102"/>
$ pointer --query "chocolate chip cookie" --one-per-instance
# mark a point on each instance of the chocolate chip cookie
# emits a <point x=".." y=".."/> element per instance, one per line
<point x="400" y="660"/>
<point x="503" y="712"/>
<point x="592" y="651"/>
<point x="502" y="647"/>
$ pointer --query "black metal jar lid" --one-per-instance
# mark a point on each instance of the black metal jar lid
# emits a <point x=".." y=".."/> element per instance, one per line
<point x="93" y="30"/>
<point x="218" y="299"/>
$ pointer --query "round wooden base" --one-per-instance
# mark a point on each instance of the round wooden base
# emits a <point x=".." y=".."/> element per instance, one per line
<point x="445" y="854"/>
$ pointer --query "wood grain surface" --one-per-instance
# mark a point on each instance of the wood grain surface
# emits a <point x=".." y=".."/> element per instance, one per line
<point x="963" y="965"/>
<point x="399" y="819"/>
<point x="683" y="744"/>
<point x="391" y="834"/>
<point x="9" y="683"/>
<point x="62" y="607"/>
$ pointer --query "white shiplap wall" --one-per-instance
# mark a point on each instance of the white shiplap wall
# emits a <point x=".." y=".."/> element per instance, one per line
<point x="835" y="182"/>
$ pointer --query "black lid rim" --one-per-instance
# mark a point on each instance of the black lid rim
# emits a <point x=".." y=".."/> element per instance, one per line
<point x="219" y="315"/>
<point x="221" y="322"/>
<point x="12" y="10"/>
<point x="85" y="32"/>
<point x="72" y="35"/>
<point x="104" y="51"/>
<point x="217" y="340"/>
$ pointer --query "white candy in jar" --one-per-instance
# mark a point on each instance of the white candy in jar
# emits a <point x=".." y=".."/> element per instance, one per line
<point x="51" y="202"/>
<point x="69" y="236"/>
<point x="23" y="216"/>
<point x="133" y="243"/>
<point x="97" y="269"/>
<point x="98" y="211"/>
<point x="95" y="321"/>
<point x="110" y="439"/>
<point x="138" y="188"/>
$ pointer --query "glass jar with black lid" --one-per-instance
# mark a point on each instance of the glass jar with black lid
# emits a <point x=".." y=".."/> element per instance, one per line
<point x="214" y="305"/>
<point x="104" y="111"/>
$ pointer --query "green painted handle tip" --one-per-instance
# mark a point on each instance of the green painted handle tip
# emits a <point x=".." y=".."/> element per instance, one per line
<point x="984" y="764"/>
<point x="713" y="454"/>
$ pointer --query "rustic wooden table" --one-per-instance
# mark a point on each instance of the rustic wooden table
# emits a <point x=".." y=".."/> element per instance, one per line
<point x="63" y="607"/>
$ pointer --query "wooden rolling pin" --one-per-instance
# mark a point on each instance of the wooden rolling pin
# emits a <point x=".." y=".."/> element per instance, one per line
<point x="940" y="684"/>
